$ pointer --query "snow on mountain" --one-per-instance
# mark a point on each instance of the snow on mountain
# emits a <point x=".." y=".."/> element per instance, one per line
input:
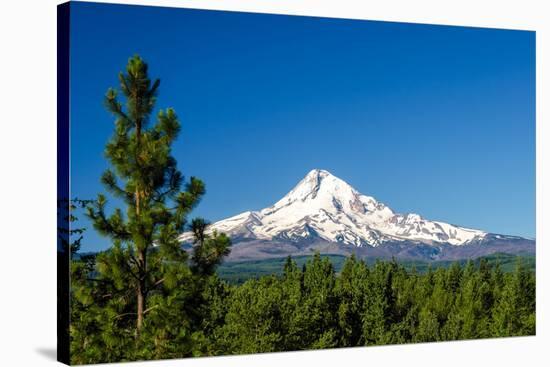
<point x="326" y="207"/>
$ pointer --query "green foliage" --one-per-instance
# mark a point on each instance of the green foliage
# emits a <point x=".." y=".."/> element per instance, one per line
<point x="372" y="305"/>
<point x="145" y="297"/>
<point x="237" y="272"/>
<point x="312" y="307"/>
<point x="352" y="289"/>
<point x="70" y="236"/>
<point x="512" y="312"/>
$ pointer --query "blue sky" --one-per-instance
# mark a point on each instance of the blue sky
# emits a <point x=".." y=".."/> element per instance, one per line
<point x="434" y="120"/>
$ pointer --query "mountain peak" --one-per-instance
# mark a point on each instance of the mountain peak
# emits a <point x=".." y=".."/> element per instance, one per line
<point x="326" y="207"/>
<point x="312" y="181"/>
<point x="318" y="173"/>
<point x="318" y="185"/>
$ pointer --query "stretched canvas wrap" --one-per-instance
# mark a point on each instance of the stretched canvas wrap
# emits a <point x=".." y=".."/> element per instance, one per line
<point x="235" y="183"/>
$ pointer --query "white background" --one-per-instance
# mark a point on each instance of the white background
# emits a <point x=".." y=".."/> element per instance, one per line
<point x="28" y="179"/>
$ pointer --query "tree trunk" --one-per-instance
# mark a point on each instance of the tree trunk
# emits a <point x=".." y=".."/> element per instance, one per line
<point x="141" y="290"/>
<point x="142" y="253"/>
<point x="140" y="307"/>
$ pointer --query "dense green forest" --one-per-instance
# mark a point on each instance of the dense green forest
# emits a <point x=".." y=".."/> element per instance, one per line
<point x="148" y="298"/>
<point x="306" y="307"/>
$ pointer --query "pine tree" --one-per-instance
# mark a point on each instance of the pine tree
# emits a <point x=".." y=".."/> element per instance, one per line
<point x="380" y="304"/>
<point x="319" y="307"/>
<point x="146" y="257"/>
<point x="428" y="327"/>
<point x="514" y="311"/>
<point x="351" y="290"/>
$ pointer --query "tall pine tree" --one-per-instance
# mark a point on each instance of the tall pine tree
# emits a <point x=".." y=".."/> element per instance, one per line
<point x="147" y="258"/>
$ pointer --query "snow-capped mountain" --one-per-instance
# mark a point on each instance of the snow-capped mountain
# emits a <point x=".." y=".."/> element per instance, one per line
<point x="325" y="207"/>
<point x="323" y="213"/>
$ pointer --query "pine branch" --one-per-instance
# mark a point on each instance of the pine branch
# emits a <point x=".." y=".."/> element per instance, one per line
<point x="112" y="226"/>
<point x="108" y="179"/>
<point x="150" y="309"/>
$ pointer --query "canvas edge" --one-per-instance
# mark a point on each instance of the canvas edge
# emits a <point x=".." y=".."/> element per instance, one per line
<point x="63" y="181"/>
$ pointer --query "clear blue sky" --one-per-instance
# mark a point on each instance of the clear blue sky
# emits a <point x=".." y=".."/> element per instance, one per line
<point x="435" y="120"/>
